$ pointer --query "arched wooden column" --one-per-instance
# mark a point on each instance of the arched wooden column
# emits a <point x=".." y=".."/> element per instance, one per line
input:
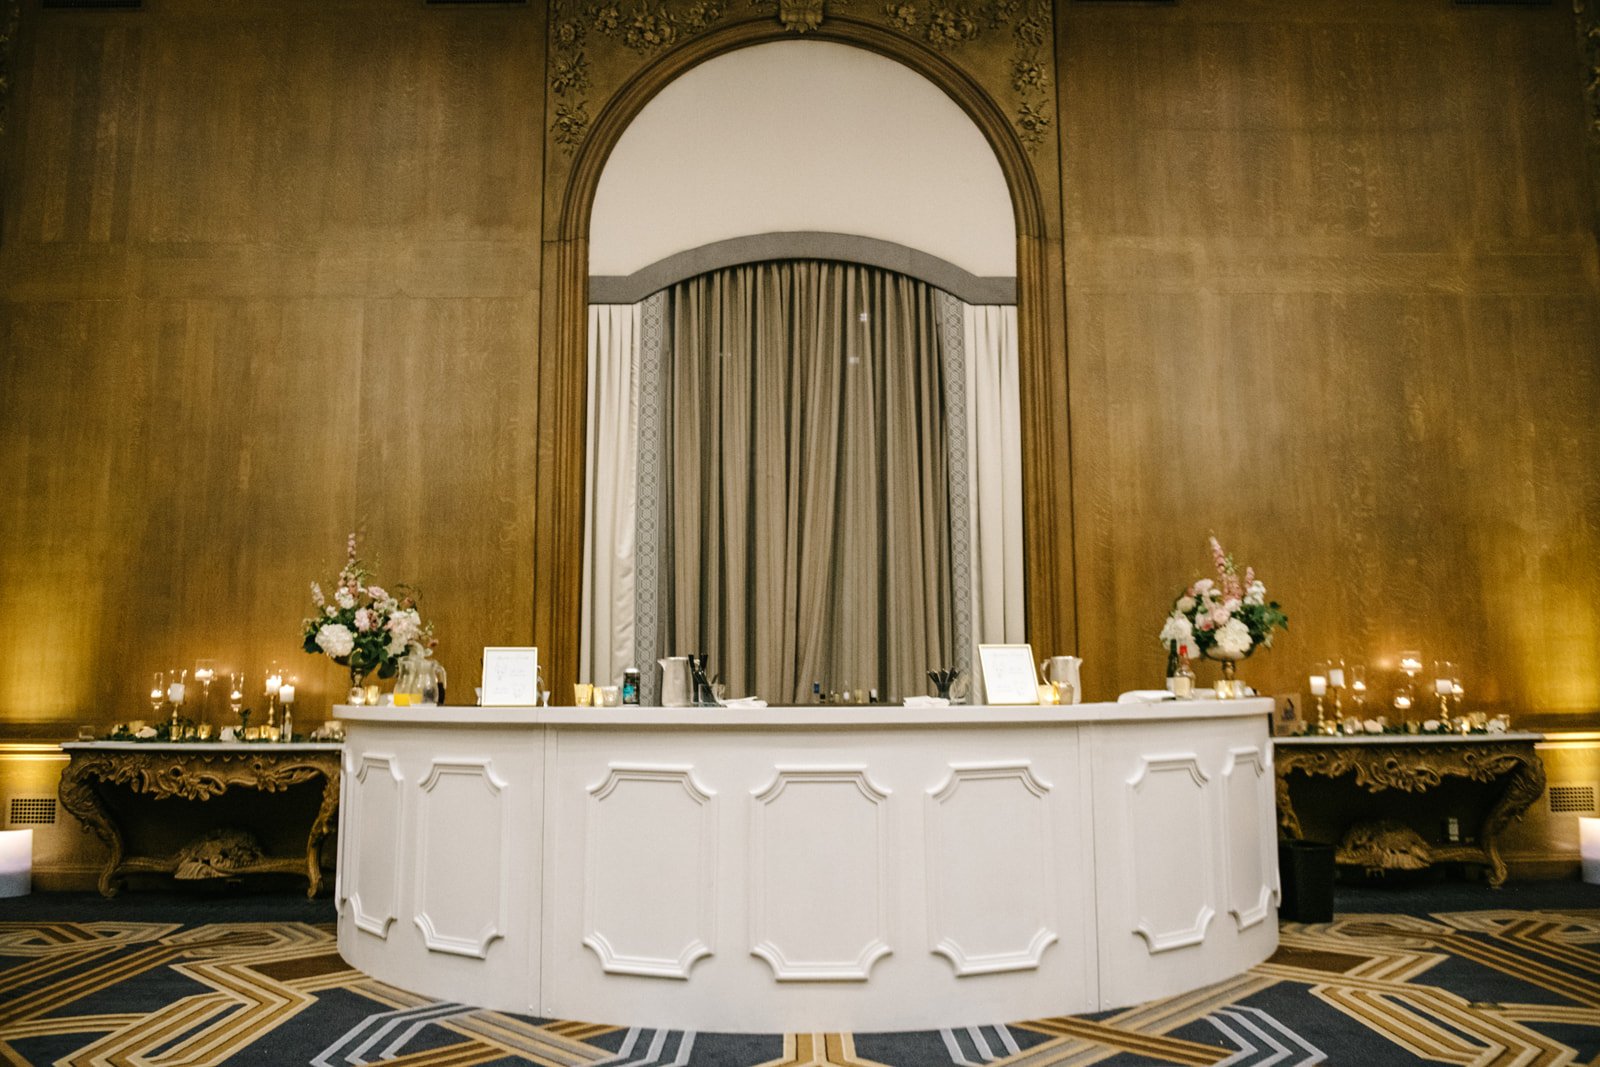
<point x="1046" y="466"/>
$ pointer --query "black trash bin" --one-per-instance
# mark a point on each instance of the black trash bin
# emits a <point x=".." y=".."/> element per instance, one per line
<point x="1305" y="870"/>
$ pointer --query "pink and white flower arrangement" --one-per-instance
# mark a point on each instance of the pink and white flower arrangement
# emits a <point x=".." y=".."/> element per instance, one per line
<point x="363" y="626"/>
<point x="1227" y="617"/>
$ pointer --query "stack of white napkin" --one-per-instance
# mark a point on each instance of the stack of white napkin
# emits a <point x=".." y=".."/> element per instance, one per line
<point x="927" y="702"/>
<point x="744" y="702"/>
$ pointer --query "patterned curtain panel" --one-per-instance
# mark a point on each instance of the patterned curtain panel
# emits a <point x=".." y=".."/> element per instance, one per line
<point x="805" y="492"/>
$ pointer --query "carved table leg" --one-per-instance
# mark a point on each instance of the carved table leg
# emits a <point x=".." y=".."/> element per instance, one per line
<point x="79" y="796"/>
<point x="1525" y="786"/>
<point x="319" y="832"/>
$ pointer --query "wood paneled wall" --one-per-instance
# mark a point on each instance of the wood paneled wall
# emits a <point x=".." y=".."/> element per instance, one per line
<point x="271" y="272"/>
<point x="1332" y="294"/>
<point x="268" y="273"/>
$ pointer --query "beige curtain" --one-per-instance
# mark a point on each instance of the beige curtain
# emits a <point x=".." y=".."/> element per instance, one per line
<point x="808" y="493"/>
<point x="606" y="641"/>
<point x="994" y="474"/>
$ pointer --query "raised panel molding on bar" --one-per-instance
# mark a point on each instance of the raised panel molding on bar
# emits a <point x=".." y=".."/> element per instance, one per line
<point x="1247" y="839"/>
<point x="662" y="813"/>
<point x="1169" y="844"/>
<point x="376" y="802"/>
<point x="972" y="832"/>
<point x="853" y="875"/>
<point x="475" y="828"/>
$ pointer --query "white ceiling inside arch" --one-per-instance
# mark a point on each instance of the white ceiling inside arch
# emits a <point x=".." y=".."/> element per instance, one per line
<point x="802" y="136"/>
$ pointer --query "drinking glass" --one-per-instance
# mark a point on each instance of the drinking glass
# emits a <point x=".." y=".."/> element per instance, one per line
<point x="158" y="691"/>
<point x="236" y="683"/>
<point x="205" y="671"/>
<point x="1358" y="684"/>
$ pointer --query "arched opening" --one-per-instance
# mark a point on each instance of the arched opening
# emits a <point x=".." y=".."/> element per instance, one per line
<point x="1047" y="543"/>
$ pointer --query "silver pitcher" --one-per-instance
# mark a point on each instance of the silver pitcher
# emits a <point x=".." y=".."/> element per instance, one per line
<point x="674" y="681"/>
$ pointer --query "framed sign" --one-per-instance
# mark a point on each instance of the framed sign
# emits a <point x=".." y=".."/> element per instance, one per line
<point x="510" y="677"/>
<point x="1009" y="676"/>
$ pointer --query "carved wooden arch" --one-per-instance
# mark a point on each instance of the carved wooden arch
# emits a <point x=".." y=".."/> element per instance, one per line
<point x="558" y="527"/>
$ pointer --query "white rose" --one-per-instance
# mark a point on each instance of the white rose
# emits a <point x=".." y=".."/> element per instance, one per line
<point x="228" y="733"/>
<point x="1203" y="586"/>
<point x="1232" y="638"/>
<point x="1373" y="726"/>
<point x="1186" y="604"/>
<point x="1177" y="628"/>
<point x="1431" y="726"/>
<point x="147" y="733"/>
<point x="336" y="640"/>
<point x="1497" y="726"/>
<point x="363" y="620"/>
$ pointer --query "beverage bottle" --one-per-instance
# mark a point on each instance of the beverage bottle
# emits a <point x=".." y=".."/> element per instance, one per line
<point x="1183" y="681"/>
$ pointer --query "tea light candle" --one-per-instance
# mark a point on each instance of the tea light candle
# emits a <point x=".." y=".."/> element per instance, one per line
<point x="286" y="694"/>
<point x="1410" y="664"/>
<point x="175" y="692"/>
<point x="235" y="697"/>
<point x="156" y="695"/>
<point x="1319" y="685"/>
<point x="1456" y="690"/>
<point x="1336" y="677"/>
<point x="203" y="674"/>
<point x="1358" y="686"/>
<point x="1402" y="702"/>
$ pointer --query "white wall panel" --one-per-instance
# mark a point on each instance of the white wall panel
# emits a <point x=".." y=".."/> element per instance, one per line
<point x="462" y="826"/>
<point x="650" y="881"/>
<point x="1171" y="845"/>
<point x="1249" y="841"/>
<point x="991" y="889"/>
<point x="371" y="861"/>
<point x="819" y="902"/>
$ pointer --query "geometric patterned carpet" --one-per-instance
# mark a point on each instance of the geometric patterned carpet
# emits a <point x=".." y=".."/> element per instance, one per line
<point x="1483" y="985"/>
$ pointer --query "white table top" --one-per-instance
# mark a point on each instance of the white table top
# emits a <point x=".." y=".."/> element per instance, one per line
<point x="812" y="715"/>
<point x="1407" y="739"/>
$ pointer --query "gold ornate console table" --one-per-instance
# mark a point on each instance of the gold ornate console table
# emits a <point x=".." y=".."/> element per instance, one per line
<point x="109" y="785"/>
<point x="1405" y="801"/>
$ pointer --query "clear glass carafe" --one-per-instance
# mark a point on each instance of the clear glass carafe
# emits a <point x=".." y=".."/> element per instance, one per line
<point x="420" y="680"/>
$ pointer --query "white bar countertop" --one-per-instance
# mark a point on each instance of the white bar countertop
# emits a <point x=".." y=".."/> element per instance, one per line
<point x="1312" y="740"/>
<point x="810" y="715"/>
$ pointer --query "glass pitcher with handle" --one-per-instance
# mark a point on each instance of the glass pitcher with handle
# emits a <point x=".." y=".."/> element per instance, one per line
<point x="421" y="679"/>
<point x="1062" y="674"/>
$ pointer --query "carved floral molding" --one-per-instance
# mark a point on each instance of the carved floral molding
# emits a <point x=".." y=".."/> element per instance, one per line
<point x="10" y="14"/>
<point x="595" y="47"/>
<point x="1588" y="18"/>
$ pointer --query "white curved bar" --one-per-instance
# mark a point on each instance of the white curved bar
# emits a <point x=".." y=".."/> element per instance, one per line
<point x="807" y="869"/>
